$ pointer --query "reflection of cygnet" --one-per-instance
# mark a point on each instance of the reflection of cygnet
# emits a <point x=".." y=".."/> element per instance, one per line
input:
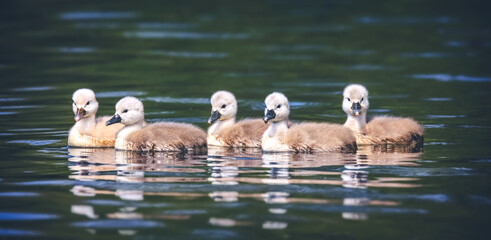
<point x="275" y="197"/>
<point x="222" y="222"/>
<point x="274" y="225"/>
<point x="277" y="210"/>
<point x="132" y="195"/>
<point x="225" y="175"/>
<point x="354" y="179"/>
<point x="84" y="210"/>
<point x="83" y="191"/>
<point x="130" y="176"/>
<point x="278" y="164"/>
<point x="224" y="196"/>
<point x="355" y="202"/>
<point x="221" y="173"/>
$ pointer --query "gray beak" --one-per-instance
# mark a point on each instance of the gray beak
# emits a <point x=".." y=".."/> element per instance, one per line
<point x="215" y="115"/>
<point x="79" y="114"/>
<point x="269" y="115"/>
<point x="356" y="109"/>
<point x="115" y="119"/>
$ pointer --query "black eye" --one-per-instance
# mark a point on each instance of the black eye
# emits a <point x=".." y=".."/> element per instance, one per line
<point x="349" y="99"/>
<point x="361" y="100"/>
<point x="279" y="106"/>
<point x="125" y="111"/>
<point x="224" y="106"/>
<point x="74" y="104"/>
<point x="87" y="103"/>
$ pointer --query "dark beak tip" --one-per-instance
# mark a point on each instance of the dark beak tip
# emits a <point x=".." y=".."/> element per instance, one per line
<point x="115" y="119"/>
<point x="270" y="114"/>
<point x="215" y="115"/>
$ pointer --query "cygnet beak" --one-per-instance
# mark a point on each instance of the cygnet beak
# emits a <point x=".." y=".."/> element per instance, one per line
<point x="269" y="115"/>
<point x="215" y="115"/>
<point x="115" y="119"/>
<point x="356" y="109"/>
<point x="79" y="114"/>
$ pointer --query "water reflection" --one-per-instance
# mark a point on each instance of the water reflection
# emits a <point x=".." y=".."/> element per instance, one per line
<point x="183" y="35"/>
<point x="96" y="15"/>
<point x="133" y="177"/>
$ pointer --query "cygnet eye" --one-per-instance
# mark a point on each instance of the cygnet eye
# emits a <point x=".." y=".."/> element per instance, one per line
<point x="125" y="111"/>
<point x="74" y="104"/>
<point x="349" y="99"/>
<point x="87" y="103"/>
<point x="361" y="100"/>
<point x="279" y="106"/>
<point x="224" y="106"/>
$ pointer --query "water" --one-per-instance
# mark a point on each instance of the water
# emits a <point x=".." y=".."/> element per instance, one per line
<point x="423" y="59"/>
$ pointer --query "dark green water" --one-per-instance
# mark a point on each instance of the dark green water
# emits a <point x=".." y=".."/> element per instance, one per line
<point x="429" y="60"/>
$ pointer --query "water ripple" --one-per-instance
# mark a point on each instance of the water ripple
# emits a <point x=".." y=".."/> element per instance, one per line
<point x="426" y="55"/>
<point x="299" y="47"/>
<point x="472" y="126"/>
<point x="18" y="107"/>
<point x="369" y="67"/>
<point x="33" y="89"/>
<point x="437" y="143"/>
<point x="116" y="223"/>
<point x="164" y="25"/>
<point x="184" y="35"/>
<point x="444" y="116"/>
<point x="31" y="129"/>
<point x="185" y="54"/>
<point x="293" y="57"/>
<point x="76" y="49"/>
<point x="438" y="99"/>
<point x="455" y="44"/>
<point x="448" y="78"/>
<point x="10" y="99"/>
<point x="119" y="94"/>
<point x="356" y="52"/>
<point x="246" y="74"/>
<point x="178" y="100"/>
<point x="309" y="29"/>
<point x="11" y="216"/>
<point x="185" y="212"/>
<point x="187" y="120"/>
<point x="434" y="126"/>
<point x="34" y="142"/>
<point x="7" y="113"/>
<point x="18" y="194"/>
<point x="13" y="232"/>
<point x="96" y="15"/>
<point x="403" y="20"/>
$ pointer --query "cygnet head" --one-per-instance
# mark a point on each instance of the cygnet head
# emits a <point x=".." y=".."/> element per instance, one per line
<point x="223" y="106"/>
<point x="129" y="110"/>
<point x="277" y="107"/>
<point x="355" y="99"/>
<point x="84" y="104"/>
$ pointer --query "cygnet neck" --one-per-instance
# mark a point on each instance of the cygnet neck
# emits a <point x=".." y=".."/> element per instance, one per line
<point x="276" y="127"/>
<point x="140" y="124"/>
<point x="86" y="124"/>
<point x="357" y="124"/>
<point x="128" y="129"/>
<point x="220" y="124"/>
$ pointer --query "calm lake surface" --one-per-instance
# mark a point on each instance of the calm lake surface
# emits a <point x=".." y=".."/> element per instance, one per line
<point x="429" y="60"/>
